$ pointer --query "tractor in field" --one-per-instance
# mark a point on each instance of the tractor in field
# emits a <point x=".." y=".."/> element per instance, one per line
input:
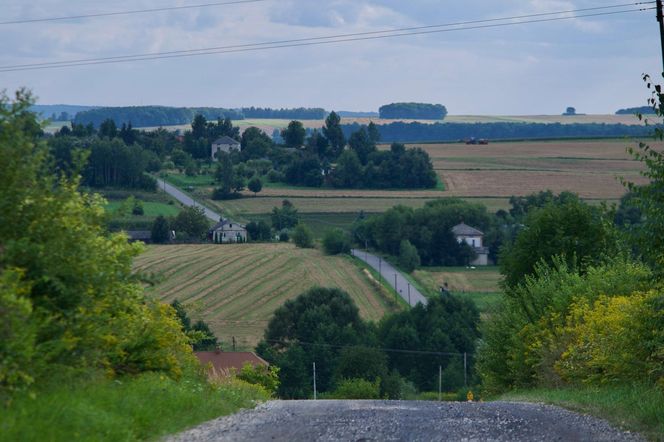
<point x="475" y="141"/>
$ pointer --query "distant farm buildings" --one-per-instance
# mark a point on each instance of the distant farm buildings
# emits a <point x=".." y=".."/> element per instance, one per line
<point x="473" y="237"/>
<point x="224" y="144"/>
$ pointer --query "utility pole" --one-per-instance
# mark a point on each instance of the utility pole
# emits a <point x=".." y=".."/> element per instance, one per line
<point x="395" y="283"/>
<point x="380" y="264"/>
<point x="440" y="383"/>
<point x="315" y="382"/>
<point x="409" y="294"/>
<point x="660" y="19"/>
<point x="465" y="369"/>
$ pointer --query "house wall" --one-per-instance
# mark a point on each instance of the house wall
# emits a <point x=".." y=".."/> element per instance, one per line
<point x="224" y="148"/>
<point x="481" y="260"/>
<point x="472" y="241"/>
<point x="228" y="234"/>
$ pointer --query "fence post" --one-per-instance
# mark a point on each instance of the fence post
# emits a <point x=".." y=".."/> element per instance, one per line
<point x="440" y="383"/>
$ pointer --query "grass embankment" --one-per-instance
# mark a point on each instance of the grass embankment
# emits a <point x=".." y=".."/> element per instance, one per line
<point x="635" y="407"/>
<point x="142" y="408"/>
<point x="480" y="285"/>
<point x="236" y="288"/>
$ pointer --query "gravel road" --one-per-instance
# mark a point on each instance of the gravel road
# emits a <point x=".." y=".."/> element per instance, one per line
<point x="405" y="421"/>
<point x="186" y="199"/>
<point x="393" y="277"/>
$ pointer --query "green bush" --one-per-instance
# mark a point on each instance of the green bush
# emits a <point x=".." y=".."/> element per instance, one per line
<point x="266" y="377"/>
<point x="335" y="242"/>
<point x="526" y="337"/>
<point x="303" y="237"/>
<point x="356" y="389"/>
<point x="409" y="260"/>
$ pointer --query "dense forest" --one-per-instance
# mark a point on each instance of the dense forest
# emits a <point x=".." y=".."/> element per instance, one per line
<point x="422" y="132"/>
<point x="413" y="111"/>
<point x="153" y="116"/>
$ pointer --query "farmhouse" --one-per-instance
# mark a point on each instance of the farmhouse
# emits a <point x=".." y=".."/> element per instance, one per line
<point x="473" y="237"/>
<point x="227" y="232"/>
<point x="223" y="363"/>
<point x="224" y="144"/>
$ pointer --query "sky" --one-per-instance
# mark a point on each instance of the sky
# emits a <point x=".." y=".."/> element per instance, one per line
<point x="594" y="64"/>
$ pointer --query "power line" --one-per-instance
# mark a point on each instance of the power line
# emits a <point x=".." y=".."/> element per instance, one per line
<point x="337" y="36"/>
<point x="137" y="11"/>
<point x="313" y="41"/>
<point x="389" y="350"/>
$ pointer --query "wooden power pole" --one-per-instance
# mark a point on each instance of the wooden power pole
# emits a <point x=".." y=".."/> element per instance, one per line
<point x="660" y="19"/>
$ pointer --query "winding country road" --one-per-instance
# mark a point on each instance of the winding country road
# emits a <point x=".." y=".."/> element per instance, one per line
<point x="393" y="276"/>
<point x="405" y="421"/>
<point x="186" y="199"/>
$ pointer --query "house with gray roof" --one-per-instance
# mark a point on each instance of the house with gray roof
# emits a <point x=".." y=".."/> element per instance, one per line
<point x="228" y="232"/>
<point x="474" y="238"/>
<point x="224" y="144"/>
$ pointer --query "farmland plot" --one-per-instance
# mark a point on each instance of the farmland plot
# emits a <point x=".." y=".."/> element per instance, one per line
<point x="236" y="288"/>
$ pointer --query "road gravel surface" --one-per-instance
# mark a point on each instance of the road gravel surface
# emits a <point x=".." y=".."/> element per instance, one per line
<point x="405" y="421"/>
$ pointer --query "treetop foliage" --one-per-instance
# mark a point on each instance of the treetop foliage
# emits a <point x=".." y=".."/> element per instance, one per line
<point x="65" y="283"/>
<point x="413" y="111"/>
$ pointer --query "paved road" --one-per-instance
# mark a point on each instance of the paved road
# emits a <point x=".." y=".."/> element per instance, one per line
<point x="405" y="421"/>
<point x="186" y="199"/>
<point x="387" y="271"/>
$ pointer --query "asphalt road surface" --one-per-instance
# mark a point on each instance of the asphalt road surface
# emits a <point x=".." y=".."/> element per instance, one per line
<point x="398" y="282"/>
<point x="186" y="199"/>
<point x="405" y="421"/>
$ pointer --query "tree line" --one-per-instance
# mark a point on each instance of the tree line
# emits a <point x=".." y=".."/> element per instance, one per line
<point x="421" y="132"/>
<point x="323" y="325"/>
<point x="153" y="116"/>
<point x="413" y="111"/>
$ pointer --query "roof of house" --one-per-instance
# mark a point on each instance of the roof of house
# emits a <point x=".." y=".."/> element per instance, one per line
<point x="223" y="361"/>
<point x="465" y="230"/>
<point x="226" y="140"/>
<point x="225" y="222"/>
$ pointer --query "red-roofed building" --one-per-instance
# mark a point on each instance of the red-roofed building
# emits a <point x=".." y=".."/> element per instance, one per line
<point x="224" y="362"/>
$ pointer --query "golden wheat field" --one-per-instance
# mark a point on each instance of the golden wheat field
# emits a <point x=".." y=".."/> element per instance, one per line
<point x="236" y="288"/>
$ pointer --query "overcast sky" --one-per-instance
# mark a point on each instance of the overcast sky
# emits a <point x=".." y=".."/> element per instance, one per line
<point x="594" y="64"/>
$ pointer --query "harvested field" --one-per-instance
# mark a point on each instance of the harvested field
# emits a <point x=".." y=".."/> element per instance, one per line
<point x="587" y="167"/>
<point x="236" y="288"/>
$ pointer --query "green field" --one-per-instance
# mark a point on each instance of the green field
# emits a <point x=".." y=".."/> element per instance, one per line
<point x="151" y="209"/>
<point x="480" y="285"/>
<point x="236" y="288"/>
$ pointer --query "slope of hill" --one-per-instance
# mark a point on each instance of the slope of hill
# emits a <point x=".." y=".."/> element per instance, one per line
<point x="236" y="288"/>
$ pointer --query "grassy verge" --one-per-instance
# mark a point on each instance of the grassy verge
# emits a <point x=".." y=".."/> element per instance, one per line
<point x="142" y="408"/>
<point x="637" y="407"/>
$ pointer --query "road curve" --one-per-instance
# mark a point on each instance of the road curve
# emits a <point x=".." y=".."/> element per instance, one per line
<point x="393" y="277"/>
<point x="186" y="199"/>
<point x="404" y="421"/>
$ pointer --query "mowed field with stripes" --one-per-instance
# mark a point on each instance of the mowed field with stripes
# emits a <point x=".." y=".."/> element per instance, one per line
<point x="237" y="288"/>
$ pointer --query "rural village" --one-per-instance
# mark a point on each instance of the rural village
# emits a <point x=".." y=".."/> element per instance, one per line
<point x="204" y="269"/>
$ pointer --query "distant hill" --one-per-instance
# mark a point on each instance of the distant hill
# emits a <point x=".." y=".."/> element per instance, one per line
<point x="646" y="110"/>
<point x="63" y="112"/>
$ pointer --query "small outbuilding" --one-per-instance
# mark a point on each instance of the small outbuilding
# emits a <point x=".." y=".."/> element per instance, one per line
<point x="228" y="232"/>
<point x="473" y="237"/>
<point x="225" y="144"/>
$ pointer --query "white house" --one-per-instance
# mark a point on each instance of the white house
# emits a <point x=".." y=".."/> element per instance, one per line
<point x="227" y="232"/>
<point x="473" y="237"/>
<point x="224" y="144"/>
